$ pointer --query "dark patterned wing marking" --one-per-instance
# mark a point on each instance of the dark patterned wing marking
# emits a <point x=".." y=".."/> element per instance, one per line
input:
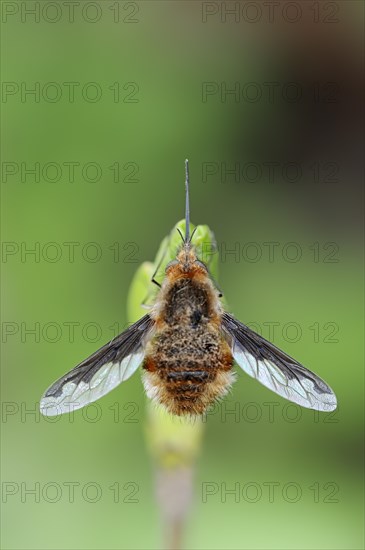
<point x="108" y="367"/>
<point x="275" y="369"/>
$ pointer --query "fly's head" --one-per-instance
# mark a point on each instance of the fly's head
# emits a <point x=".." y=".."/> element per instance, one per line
<point x="186" y="264"/>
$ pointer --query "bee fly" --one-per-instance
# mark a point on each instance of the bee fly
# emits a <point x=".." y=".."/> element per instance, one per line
<point x="186" y="345"/>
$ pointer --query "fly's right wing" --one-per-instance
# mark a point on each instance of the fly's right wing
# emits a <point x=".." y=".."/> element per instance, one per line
<point x="100" y="373"/>
<point x="275" y="369"/>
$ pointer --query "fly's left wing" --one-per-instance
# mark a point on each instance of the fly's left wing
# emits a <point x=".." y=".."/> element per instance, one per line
<point x="275" y="369"/>
<point x="100" y="373"/>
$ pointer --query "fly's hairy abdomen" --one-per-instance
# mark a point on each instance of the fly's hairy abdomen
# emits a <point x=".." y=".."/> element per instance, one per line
<point x="188" y="363"/>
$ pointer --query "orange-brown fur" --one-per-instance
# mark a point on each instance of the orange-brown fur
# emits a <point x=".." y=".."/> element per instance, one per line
<point x="188" y="362"/>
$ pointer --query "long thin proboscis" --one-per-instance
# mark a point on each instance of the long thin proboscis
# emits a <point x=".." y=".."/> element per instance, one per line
<point x="187" y="205"/>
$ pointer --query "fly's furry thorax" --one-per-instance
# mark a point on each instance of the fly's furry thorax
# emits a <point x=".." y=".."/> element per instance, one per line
<point x="188" y="362"/>
<point x="186" y="271"/>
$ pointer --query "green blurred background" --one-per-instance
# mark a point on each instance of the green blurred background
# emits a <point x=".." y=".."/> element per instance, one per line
<point x="168" y="50"/>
